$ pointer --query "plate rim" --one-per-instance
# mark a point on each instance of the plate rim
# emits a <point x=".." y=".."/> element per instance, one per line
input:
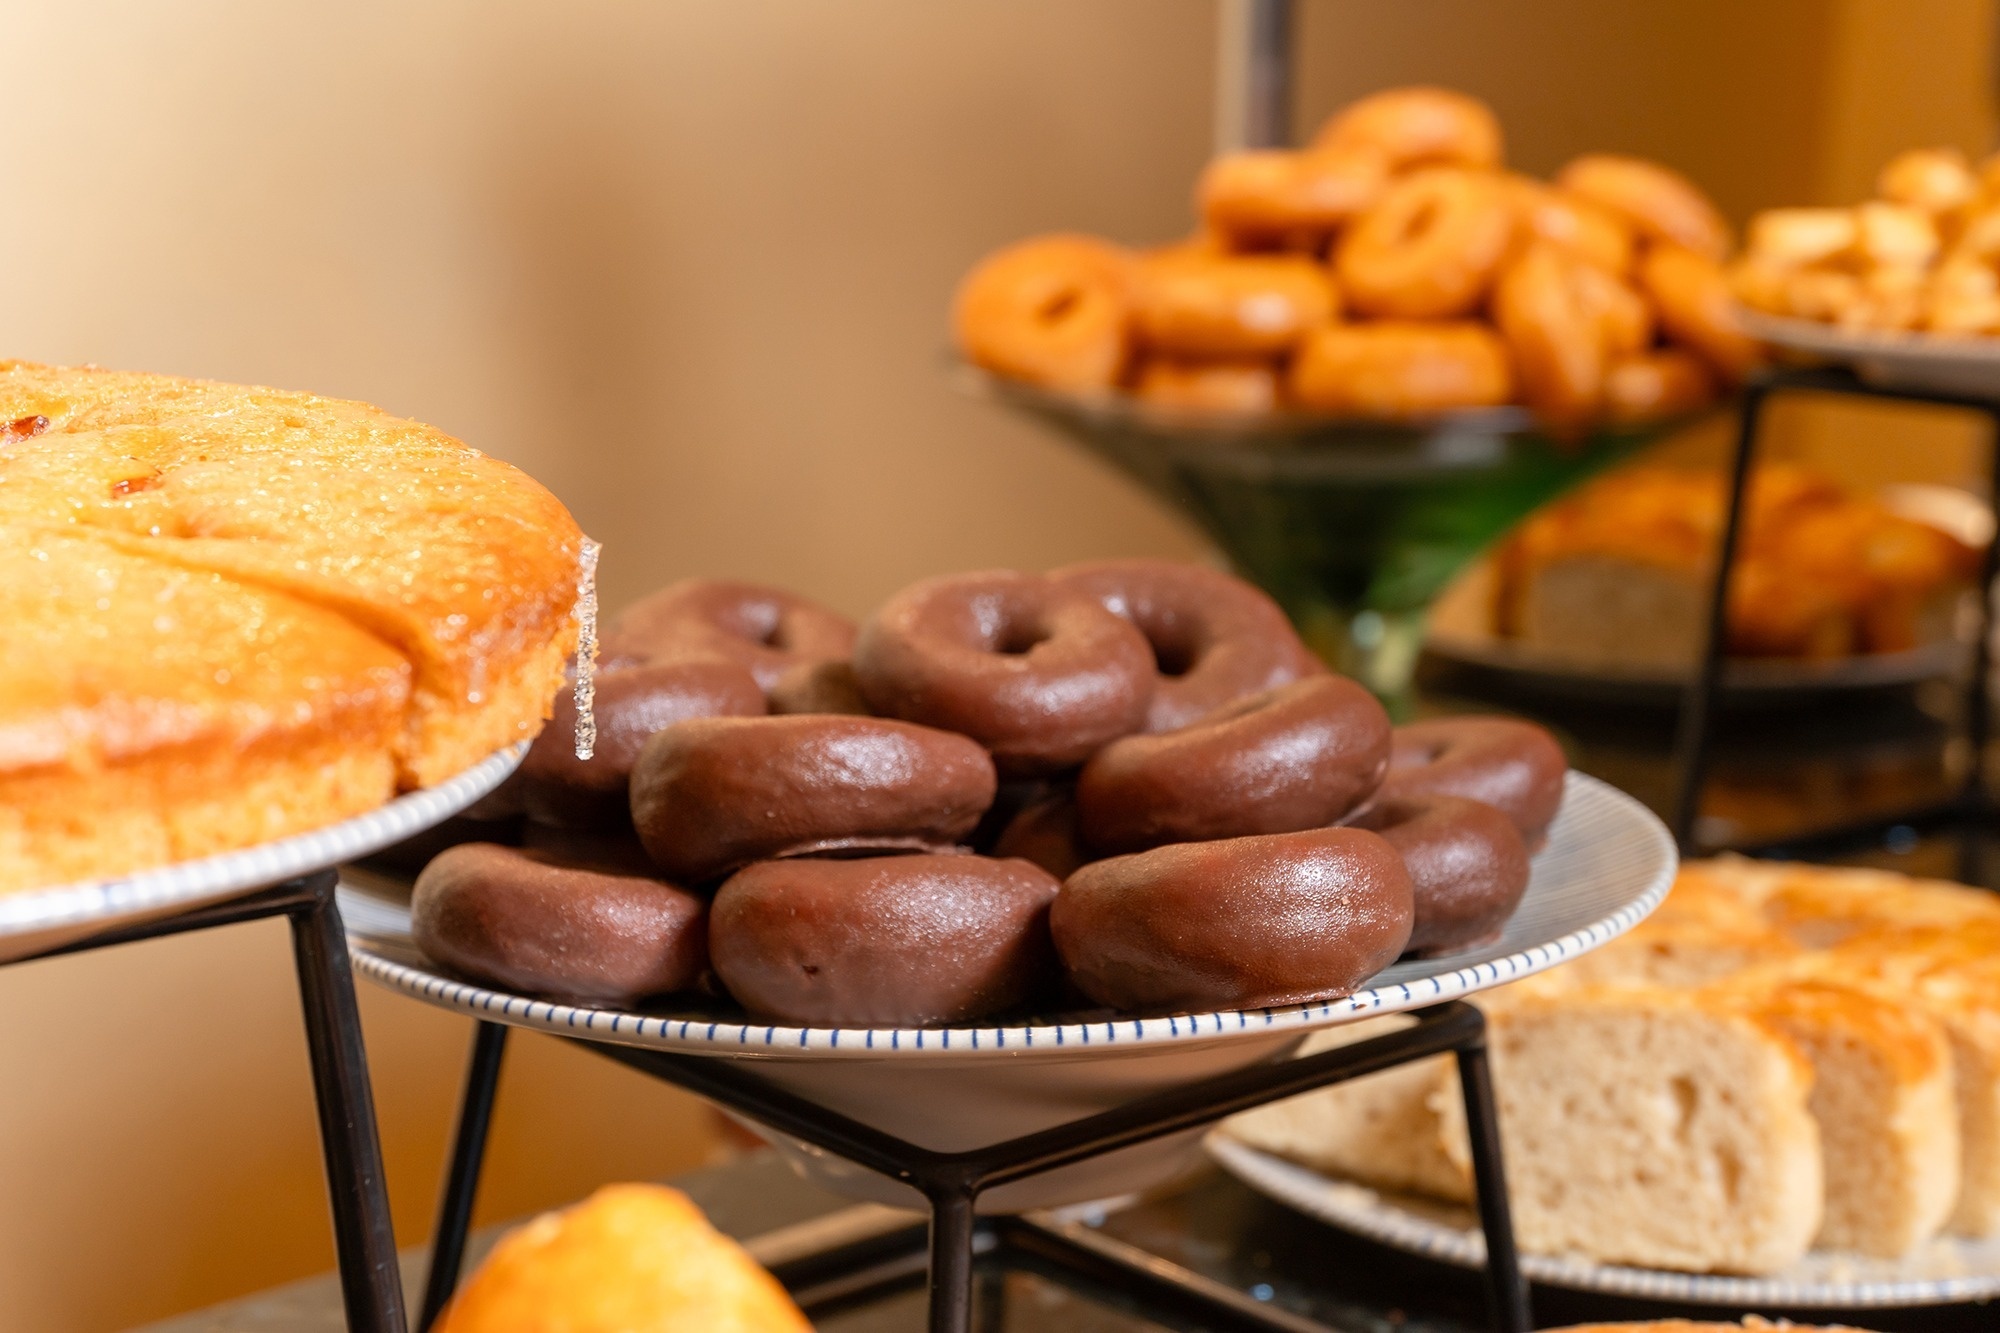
<point x="1830" y="340"/>
<point x="740" y="1037"/>
<point x="1386" y="1223"/>
<point x="116" y="898"/>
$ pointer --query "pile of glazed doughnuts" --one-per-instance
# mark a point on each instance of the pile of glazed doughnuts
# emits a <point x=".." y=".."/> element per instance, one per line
<point x="1393" y="269"/>
<point x="1124" y="784"/>
<point x="1923" y="255"/>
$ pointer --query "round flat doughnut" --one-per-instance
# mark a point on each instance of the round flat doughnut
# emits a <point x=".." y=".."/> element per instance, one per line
<point x="1238" y="924"/>
<point x="819" y="687"/>
<point x="768" y="630"/>
<point x="712" y="794"/>
<point x="523" y="921"/>
<point x="632" y="703"/>
<point x="1039" y="673"/>
<point x="890" y="941"/>
<point x="1044" y="834"/>
<point x="1214" y="638"/>
<point x="1514" y="766"/>
<point x="1298" y="757"/>
<point x="1468" y="867"/>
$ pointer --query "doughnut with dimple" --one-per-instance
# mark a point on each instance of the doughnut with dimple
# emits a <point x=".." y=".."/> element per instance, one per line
<point x="769" y="630"/>
<point x="1288" y="199"/>
<point x="1214" y="638"/>
<point x="1557" y="330"/>
<point x="1571" y="224"/>
<point x="1397" y="370"/>
<point x="1229" y="305"/>
<point x="893" y="941"/>
<point x="1429" y="249"/>
<point x="712" y="794"/>
<point x="1054" y="310"/>
<point x="1512" y="765"/>
<point x="1038" y="672"/>
<point x="1229" y="388"/>
<point x="1658" y="202"/>
<point x="1415" y="126"/>
<point x="819" y="687"/>
<point x="1468" y="866"/>
<point x="1656" y="386"/>
<point x="524" y="921"/>
<point x="1301" y="756"/>
<point x="632" y="703"/>
<point x="1043" y="832"/>
<point x="1696" y="308"/>
<point x="1236" y="924"/>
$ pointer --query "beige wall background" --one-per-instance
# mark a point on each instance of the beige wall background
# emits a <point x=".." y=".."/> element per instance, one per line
<point x="687" y="264"/>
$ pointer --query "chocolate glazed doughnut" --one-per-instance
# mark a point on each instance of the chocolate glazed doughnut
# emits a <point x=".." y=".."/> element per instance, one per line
<point x="633" y="702"/>
<point x="1512" y="765"/>
<point x="893" y="941"/>
<point x="768" y="630"/>
<point x="1468" y="866"/>
<point x="524" y="921"/>
<point x="712" y="794"/>
<point x="1237" y="924"/>
<point x="1039" y="673"/>
<point x="1214" y="638"/>
<point x="1301" y="756"/>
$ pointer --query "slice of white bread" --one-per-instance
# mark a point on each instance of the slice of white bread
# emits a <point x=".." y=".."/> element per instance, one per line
<point x="1383" y="1130"/>
<point x="1884" y="1099"/>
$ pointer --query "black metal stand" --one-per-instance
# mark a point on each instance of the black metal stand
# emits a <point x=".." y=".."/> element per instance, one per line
<point x="1695" y="733"/>
<point x="364" y="1239"/>
<point x="953" y="1181"/>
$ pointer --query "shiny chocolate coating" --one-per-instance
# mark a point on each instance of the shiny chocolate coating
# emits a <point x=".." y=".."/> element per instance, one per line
<point x="1467" y="864"/>
<point x="1515" y="766"/>
<point x="1044" y="832"/>
<point x="632" y="703"/>
<point x="886" y="941"/>
<point x="768" y="630"/>
<point x="1297" y="757"/>
<point x="1214" y="637"/>
<point x="1242" y="923"/>
<point x="1040" y="674"/>
<point x="523" y="921"/>
<point x="819" y="687"/>
<point x="712" y="794"/>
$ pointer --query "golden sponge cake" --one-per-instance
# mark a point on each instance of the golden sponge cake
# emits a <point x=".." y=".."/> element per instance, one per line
<point x="235" y="613"/>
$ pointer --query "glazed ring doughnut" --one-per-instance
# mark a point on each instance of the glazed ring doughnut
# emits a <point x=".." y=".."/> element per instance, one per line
<point x="1416" y="126"/>
<point x="1658" y="202"/>
<point x="1936" y="180"/>
<point x="1468" y="867"/>
<point x="1040" y="674"/>
<point x="1225" y="388"/>
<point x="769" y="630"/>
<point x="1656" y="386"/>
<point x="1574" y="225"/>
<point x="1243" y="923"/>
<point x="819" y="687"/>
<point x="1556" y="328"/>
<point x="1230" y="305"/>
<point x="1514" y="766"/>
<point x="632" y="703"/>
<point x="523" y="921"/>
<point x="1301" y="756"/>
<point x="1623" y="314"/>
<point x="1397" y="370"/>
<point x="1273" y="197"/>
<point x="712" y="794"/>
<point x="1430" y="248"/>
<point x="889" y="941"/>
<point x="1054" y="310"/>
<point x="1043" y="832"/>
<point x="1696" y="308"/>
<point x="1214" y="638"/>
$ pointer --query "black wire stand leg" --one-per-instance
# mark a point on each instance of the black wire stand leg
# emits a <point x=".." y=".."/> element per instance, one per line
<point x="363" y="1235"/>
<point x="468" y="1155"/>
<point x="952" y="1224"/>
<point x="1506" y="1289"/>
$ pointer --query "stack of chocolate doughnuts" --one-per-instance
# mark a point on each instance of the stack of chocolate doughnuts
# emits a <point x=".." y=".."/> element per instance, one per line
<point x="1124" y="784"/>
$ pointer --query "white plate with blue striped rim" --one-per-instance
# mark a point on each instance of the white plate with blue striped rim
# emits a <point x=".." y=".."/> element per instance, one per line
<point x="1944" y="1271"/>
<point x="42" y="919"/>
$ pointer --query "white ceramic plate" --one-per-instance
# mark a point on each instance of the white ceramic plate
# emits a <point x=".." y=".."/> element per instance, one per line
<point x="1968" y="366"/>
<point x="1608" y="863"/>
<point x="43" y="919"/>
<point x="1942" y="1272"/>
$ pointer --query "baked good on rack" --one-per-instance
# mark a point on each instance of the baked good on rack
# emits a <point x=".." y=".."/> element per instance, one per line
<point x="1512" y="765"/>
<point x="768" y="630"/>
<point x="238" y="613"/>
<point x="1468" y="867"/>
<point x="629" y="1259"/>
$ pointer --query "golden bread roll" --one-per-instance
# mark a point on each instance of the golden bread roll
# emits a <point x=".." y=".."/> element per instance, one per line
<point x="629" y="1259"/>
